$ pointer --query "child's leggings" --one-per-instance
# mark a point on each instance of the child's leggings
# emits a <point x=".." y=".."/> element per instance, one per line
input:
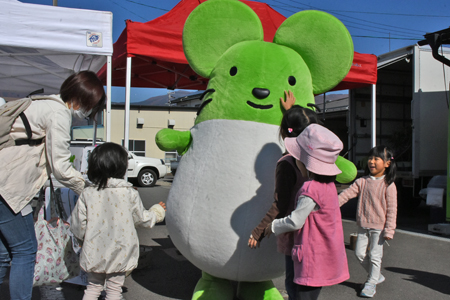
<point x="96" y="282"/>
<point x="291" y="287"/>
<point x="370" y="258"/>
<point x="308" y="292"/>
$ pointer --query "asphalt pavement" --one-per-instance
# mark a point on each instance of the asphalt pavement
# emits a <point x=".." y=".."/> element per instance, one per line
<point x="416" y="264"/>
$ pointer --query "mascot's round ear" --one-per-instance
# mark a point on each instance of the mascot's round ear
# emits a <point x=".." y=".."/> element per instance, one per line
<point x="323" y="42"/>
<point x="213" y="27"/>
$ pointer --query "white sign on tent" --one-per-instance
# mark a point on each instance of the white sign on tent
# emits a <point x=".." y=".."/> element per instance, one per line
<point x="41" y="52"/>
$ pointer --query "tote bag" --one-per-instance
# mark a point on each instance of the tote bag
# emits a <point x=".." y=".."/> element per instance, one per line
<point x="56" y="260"/>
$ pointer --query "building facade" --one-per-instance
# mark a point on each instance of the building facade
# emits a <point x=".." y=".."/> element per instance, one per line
<point x="145" y="122"/>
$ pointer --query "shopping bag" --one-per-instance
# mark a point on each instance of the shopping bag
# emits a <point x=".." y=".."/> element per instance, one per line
<point x="56" y="259"/>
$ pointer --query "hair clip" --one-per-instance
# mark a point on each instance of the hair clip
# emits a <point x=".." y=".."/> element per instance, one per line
<point x="290" y="130"/>
<point x="392" y="158"/>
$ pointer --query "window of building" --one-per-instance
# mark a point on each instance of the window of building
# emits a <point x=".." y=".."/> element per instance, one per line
<point x="136" y="146"/>
<point x="170" y="156"/>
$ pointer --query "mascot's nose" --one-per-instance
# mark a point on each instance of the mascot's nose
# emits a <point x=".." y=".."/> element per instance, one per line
<point x="260" y="93"/>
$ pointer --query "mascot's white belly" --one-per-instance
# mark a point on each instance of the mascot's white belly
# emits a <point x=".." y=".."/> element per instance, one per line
<point x="223" y="188"/>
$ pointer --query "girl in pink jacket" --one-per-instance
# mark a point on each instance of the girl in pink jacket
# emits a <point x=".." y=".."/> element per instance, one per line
<point x="376" y="213"/>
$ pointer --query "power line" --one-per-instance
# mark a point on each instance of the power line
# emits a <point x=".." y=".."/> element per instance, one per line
<point x="306" y="6"/>
<point x="399" y="33"/>
<point x="382" y="37"/>
<point x="145" y="19"/>
<point x="287" y="6"/>
<point x="390" y="26"/>
<point x="392" y="14"/>
<point x="163" y="9"/>
<point x="402" y="29"/>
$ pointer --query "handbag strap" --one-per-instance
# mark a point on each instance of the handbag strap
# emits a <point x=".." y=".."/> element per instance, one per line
<point x="59" y="207"/>
<point x="40" y="205"/>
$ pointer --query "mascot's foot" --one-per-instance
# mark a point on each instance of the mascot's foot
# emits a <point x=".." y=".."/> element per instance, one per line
<point x="258" y="291"/>
<point x="210" y="287"/>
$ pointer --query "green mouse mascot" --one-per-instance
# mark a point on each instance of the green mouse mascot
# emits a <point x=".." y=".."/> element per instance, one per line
<point x="225" y="181"/>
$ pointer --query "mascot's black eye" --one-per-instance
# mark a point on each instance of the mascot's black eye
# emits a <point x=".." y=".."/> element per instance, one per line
<point x="233" y="71"/>
<point x="292" y="80"/>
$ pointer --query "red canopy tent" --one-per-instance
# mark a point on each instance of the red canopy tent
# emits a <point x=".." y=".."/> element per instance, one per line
<point x="159" y="62"/>
<point x="363" y="72"/>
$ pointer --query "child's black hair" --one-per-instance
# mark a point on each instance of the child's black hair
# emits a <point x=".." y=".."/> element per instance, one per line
<point x="323" y="178"/>
<point x="296" y="119"/>
<point x="386" y="154"/>
<point x="108" y="160"/>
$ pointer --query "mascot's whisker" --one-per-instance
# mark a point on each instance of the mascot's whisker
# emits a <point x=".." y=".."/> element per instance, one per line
<point x="313" y="105"/>
<point x="205" y="101"/>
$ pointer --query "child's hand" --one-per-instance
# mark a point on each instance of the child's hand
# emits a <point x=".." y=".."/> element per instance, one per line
<point x="290" y="100"/>
<point x="163" y="205"/>
<point x="252" y="242"/>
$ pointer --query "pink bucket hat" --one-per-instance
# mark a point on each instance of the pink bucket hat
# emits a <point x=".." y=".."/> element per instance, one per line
<point x="317" y="148"/>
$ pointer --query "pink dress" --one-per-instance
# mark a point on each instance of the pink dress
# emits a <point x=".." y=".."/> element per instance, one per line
<point x="319" y="252"/>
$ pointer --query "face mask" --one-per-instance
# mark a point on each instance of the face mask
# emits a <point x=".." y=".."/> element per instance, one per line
<point x="80" y="114"/>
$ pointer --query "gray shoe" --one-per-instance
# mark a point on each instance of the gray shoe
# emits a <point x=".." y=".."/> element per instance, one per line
<point x="369" y="290"/>
<point x="381" y="279"/>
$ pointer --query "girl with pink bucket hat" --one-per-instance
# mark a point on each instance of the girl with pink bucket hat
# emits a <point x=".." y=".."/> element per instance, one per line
<point x="319" y="252"/>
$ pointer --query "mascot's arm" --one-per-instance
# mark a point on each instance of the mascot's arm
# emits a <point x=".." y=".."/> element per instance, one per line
<point x="169" y="140"/>
<point x="348" y="170"/>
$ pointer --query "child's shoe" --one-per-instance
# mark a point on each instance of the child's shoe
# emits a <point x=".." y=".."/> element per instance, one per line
<point x="381" y="279"/>
<point x="369" y="290"/>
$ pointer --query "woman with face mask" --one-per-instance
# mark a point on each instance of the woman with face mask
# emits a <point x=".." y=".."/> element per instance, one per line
<point x="25" y="167"/>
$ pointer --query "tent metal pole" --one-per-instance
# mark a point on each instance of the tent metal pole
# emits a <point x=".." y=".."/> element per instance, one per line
<point x="127" y="107"/>
<point x="127" y="104"/>
<point x="108" y="96"/>
<point x="374" y="115"/>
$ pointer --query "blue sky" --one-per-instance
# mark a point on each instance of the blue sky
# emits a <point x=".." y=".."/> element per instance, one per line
<point x="377" y="27"/>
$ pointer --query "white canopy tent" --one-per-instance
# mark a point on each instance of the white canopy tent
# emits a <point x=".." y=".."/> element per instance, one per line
<point x="41" y="45"/>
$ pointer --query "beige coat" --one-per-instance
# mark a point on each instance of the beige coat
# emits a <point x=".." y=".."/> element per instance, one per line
<point x="105" y="220"/>
<point x="24" y="168"/>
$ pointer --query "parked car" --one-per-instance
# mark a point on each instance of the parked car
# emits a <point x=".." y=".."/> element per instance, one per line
<point x="146" y="170"/>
